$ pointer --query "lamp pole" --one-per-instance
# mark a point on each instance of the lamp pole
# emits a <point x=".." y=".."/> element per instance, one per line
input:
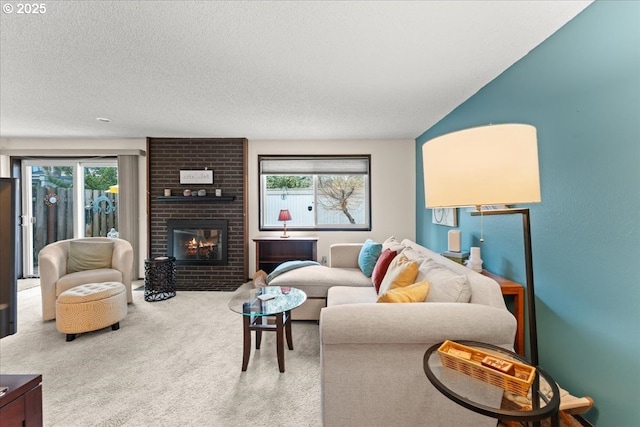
<point x="528" y="259"/>
<point x="531" y="295"/>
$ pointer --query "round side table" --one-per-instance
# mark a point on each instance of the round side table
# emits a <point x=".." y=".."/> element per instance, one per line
<point x="462" y="388"/>
<point x="255" y="305"/>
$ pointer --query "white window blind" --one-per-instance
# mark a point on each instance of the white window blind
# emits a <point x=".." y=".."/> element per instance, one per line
<point x="314" y="166"/>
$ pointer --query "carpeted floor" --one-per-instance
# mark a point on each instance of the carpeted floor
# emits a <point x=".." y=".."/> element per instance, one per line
<point x="173" y="362"/>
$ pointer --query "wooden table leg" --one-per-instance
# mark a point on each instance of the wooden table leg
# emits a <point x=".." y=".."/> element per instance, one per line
<point x="518" y="308"/>
<point x="280" y="341"/>
<point x="259" y="333"/>
<point x="246" y="347"/>
<point x="287" y="328"/>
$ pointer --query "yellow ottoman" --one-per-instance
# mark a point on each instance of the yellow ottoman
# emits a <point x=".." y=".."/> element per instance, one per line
<point x="91" y="307"/>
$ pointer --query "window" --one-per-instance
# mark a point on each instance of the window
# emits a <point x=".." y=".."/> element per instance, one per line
<point x="65" y="199"/>
<point x="320" y="192"/>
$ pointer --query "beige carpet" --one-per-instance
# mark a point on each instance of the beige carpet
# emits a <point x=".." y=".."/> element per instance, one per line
<point x="174" y="362"/>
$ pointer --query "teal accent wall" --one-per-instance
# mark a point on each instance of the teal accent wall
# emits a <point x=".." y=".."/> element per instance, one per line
<point x="581" y="90"/>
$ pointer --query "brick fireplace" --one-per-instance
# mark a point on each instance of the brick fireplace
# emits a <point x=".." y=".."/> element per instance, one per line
<point x="212" y="232"/>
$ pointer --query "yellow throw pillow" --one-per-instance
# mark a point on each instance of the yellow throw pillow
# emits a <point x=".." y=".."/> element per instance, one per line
<point x="412" y="293"/>
<point x="406" y="275"/>
<point x="401" y="272"/>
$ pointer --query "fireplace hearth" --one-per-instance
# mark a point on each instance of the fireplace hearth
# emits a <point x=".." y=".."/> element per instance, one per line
<point x="197" y="242"/>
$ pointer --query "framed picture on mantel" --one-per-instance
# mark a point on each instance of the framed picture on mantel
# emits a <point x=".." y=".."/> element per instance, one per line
<point x="196" y="177"/>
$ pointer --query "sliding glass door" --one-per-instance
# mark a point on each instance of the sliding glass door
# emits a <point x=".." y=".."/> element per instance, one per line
<point x="64" y="199"/>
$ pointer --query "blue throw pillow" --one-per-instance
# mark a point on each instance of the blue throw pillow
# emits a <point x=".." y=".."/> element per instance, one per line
<point x="368" y="256"/>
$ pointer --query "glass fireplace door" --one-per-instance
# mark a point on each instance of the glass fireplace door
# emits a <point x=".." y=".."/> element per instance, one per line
<point x="197" y="242"/>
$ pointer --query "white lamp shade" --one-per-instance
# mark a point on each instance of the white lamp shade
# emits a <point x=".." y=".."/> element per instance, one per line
<point x="488" y="165"/>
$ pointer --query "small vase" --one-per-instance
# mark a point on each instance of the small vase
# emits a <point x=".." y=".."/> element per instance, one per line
<point x="474" y="262"/>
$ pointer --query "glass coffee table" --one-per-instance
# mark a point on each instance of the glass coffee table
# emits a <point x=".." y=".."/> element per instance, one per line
<point x="470" y="392"/>
<point x="258" y="304"/>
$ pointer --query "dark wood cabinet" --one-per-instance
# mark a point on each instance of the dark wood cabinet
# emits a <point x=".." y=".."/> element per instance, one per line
<point x="21" y="405"/>
<point x="8" y="256"/>
<point x="272" y="251"/>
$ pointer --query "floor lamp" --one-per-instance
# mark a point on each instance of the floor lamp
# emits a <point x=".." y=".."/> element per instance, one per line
<point x="488" y="166"/>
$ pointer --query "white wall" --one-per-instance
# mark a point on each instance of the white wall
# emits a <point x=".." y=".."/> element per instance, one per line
<point x="90" y="147"/>
<point x="393" y="188"/>
<point x="392" y="182"/>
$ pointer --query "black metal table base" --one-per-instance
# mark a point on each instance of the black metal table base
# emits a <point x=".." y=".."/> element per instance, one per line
<point x="159" y="279"/>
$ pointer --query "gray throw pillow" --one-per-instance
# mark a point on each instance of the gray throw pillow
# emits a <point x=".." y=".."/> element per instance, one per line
<point x="444" y="284"/>
<point x="87" y="255"/>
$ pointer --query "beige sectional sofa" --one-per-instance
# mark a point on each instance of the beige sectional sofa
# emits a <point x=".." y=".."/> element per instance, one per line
<point x="372" y="353"/>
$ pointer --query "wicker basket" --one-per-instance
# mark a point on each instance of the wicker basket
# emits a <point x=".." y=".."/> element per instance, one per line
<point x="453" y="355"/>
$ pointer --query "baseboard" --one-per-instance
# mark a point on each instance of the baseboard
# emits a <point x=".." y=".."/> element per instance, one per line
<point x="582" y="421"/>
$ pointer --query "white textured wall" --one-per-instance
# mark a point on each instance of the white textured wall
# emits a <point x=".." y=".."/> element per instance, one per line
<point x="393" y="188"/>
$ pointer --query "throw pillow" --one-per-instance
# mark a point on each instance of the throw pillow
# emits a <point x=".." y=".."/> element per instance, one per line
<point x="416" y="292"/>
<point x="393" y="244"/>
<point x="446" y="285"/>
<point x="87" y="255"/>
<point x="368" y="256"/>
<point x="401" y="272"/>
<point x="382" y="265"/>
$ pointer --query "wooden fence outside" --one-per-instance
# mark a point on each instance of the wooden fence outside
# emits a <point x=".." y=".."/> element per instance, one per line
<point x="54" y="221"/>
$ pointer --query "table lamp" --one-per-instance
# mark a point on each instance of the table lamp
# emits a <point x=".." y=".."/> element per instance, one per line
<point x="284" y="216"/>
<point x="484" y="166"/>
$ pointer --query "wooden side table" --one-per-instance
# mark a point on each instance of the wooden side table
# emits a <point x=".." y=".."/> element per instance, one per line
<point x="272" y="251"/>
<point x="21" y="405"/>
<point x="516" y="290"/>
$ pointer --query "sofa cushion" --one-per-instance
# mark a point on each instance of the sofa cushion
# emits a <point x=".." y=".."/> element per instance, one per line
<point x="413" y="255"/>
<point x="401" y="272"/>
<point x="315" y="280"/>
<point x="382" y="265"/>
<point x="368" y="256"/>
<point x="416" y="292"/>
<point x="339" y="295"/>
<point x="445" y="285"/>
<point x="87" y="255"/>
<point x="97" y="275"/>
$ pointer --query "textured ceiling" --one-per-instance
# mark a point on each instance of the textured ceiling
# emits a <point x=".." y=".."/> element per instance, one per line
<point x="258" y="69"/>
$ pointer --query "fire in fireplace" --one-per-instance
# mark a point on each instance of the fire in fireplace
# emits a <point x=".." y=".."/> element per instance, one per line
<point x="197" y="242"/>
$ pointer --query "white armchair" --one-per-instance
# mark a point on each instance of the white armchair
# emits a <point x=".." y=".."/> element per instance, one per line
<point x="57" y="274"/>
